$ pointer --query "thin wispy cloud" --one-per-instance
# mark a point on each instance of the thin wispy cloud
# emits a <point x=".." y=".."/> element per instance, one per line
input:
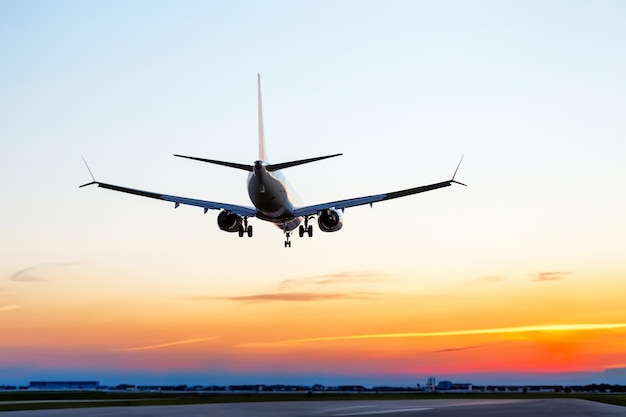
<point x="499" y="330"/>
<point x="166" y="345"/>
<point x="8" y="308"/>
<point x="312" y="289"/>
<point x="40" y="272"/>
<point x="549" y="276"/>
<point x="346" y="277"/>
<point x="457" y="349"/>
<point x="290" y="296"/>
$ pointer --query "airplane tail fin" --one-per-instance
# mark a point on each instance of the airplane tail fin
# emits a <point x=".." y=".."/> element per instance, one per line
<point x="262" y="152"/>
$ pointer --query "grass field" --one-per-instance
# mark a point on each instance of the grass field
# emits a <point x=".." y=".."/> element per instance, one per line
<point x="24" y="400"/>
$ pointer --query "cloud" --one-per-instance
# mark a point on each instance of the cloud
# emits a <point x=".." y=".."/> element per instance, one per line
<point x="165" y="345"/>
<point x="499" y="330"/>
<point x="457" y="349"/>
<point x="345" y="277"/>
<point x="310" y="289"/>
<point x="290" y="296"/>
<point x="35" y="273"/>
<point x="549" y="276"/>
<point x="8" y="308"/>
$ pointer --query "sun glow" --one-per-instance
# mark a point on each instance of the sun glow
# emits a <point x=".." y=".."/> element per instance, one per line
<point x="503" y="330"/>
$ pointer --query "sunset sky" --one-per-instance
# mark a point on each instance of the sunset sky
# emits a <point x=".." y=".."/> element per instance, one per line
<point x="518" y="278"/>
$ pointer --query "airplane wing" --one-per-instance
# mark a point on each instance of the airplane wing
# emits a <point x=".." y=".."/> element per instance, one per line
<point x="206" y="205"/>
<point x="359" y="201"/>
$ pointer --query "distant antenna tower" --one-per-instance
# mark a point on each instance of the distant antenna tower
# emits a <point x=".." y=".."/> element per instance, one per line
<point x="431" y="384"/>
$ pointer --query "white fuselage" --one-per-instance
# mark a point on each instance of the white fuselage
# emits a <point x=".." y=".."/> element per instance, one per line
<point x="273" y="197"/>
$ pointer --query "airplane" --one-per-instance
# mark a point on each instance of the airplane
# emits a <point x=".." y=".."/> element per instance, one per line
<point x="272" y="197"/>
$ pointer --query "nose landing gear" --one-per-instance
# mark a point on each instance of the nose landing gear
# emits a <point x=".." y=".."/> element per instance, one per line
<point x="305" y="229"/>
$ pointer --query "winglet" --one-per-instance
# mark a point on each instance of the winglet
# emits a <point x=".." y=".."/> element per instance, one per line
<point x="455" y="171"/>
<point x="90" y="173"/>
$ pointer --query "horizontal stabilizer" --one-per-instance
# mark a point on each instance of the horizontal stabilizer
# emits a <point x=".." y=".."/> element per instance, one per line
<point x="283" y="165"/>
<point x="269" y="167"/>
<point x="213" y="161"/>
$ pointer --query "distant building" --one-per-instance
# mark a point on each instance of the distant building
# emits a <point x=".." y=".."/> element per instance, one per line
<point x="64" y="385"/>
<point x="255" y="387"/>
<point x="453" y="386"/>
<point x="444" y="385"/>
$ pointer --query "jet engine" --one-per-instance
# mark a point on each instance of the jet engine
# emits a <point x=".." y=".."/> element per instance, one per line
<point x="330" y="220"/>
<point x="229" y="222"/>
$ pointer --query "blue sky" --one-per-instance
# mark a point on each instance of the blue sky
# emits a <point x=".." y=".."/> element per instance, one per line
<point x="532" y="93"/>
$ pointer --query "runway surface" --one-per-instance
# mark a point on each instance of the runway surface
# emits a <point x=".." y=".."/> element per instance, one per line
<point x="402" y="408"/>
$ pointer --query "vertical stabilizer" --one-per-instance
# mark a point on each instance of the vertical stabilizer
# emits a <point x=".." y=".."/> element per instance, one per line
<point x="262" y="153"/>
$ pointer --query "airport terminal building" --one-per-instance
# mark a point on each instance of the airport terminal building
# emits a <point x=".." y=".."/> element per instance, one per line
<point x="64" y="385"/>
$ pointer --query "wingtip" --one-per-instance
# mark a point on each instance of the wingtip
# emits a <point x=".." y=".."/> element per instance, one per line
<point x="89" y="183"/>
<point x="93" y="179"/>
<point x="456" y="170"/>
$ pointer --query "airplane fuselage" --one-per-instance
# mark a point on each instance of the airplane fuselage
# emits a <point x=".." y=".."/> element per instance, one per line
<point x="273" y="197"/>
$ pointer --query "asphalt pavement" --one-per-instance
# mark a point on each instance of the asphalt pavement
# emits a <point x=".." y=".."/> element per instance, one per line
<point x="391" y="408"/>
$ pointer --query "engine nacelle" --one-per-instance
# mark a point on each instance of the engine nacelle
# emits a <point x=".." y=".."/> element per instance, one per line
<point x="330" y="220"/>
<point x="229" y="222"/>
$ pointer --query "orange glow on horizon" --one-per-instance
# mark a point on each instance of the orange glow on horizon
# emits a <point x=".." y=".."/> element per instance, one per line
<point x="505" y="330"/>
<point x="463" y="331"/>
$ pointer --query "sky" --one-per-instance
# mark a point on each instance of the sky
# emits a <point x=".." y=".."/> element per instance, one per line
<point x="516" y="278"/>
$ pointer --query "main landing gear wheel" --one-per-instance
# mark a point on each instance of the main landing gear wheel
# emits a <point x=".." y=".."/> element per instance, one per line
<point x="307" y="228"/>
<point x="287" y="242"/>
<point x="244" y="229"/>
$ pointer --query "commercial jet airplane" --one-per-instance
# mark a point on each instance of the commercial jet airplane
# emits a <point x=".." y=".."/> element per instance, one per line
<point x="273" y="199"/>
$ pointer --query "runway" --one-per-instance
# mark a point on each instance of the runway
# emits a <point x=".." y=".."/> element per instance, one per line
<point x="401" y="408"/>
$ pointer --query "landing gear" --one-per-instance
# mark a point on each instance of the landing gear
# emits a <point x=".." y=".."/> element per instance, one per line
<point x="244" y="229"/>
<point x="305" y="230"/>
<point x="287" y="242"/>
<point x="308" y="229"/>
